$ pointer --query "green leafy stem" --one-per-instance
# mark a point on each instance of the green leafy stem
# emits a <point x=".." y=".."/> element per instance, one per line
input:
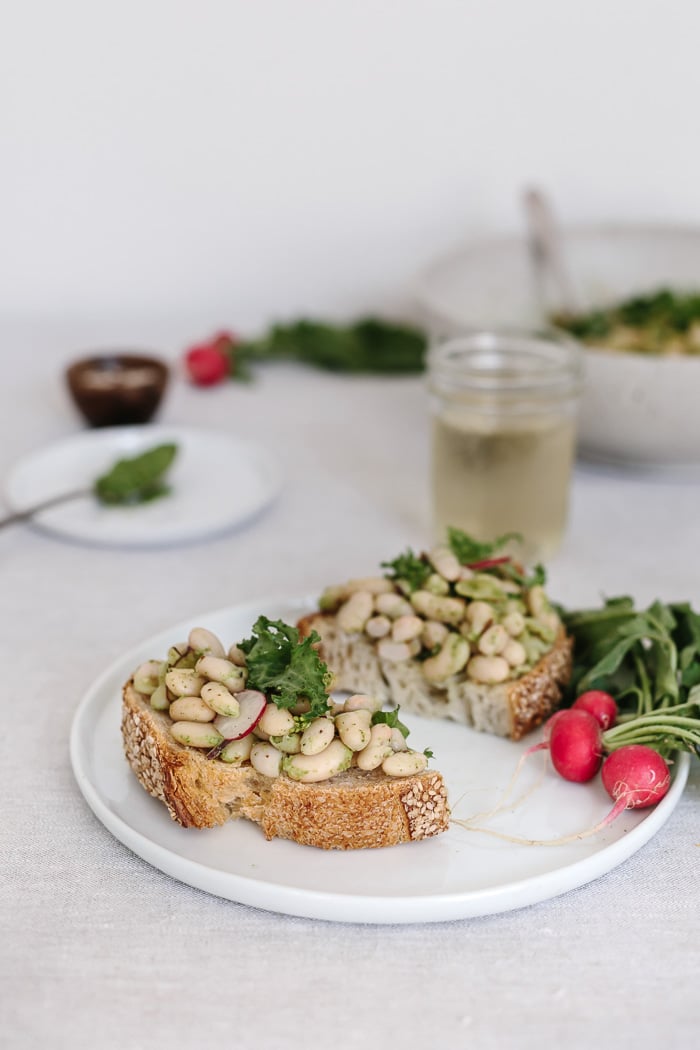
<point x="649" y="660"/>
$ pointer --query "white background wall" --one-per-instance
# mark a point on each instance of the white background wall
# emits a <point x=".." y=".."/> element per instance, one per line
<point x="228" y="161"/>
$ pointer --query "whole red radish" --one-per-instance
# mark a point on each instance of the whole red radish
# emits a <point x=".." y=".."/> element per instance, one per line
<point x="599" y="704"/>
<point x="209" y="363"/>
<point x="575" y="746"/>
<point x="636" y="775"/>
<point x="205" y="365"/>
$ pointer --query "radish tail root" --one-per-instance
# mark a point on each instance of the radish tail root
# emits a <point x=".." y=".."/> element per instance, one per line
<point x="618" y="808"/>
<point x="508" y="790"/>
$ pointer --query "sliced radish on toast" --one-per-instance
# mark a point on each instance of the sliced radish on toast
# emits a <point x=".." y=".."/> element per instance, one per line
<point x="252" y="704"/>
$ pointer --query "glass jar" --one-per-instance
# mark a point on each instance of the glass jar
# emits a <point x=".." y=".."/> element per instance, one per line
<point x="503" y="435"/>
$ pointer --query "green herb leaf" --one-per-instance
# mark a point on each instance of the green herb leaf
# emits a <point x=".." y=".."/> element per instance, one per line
<point x="286" y="669"/>
<point x="649" y="660"/>
<point x="428" y="753"/>
<point x="410" y="567"/>
<point x="644" y="323"/>
<point x="136" y="480"/>
<point x="390" y="718"/>
<point x="468" y="550"/>
<point x="370" y="345"/>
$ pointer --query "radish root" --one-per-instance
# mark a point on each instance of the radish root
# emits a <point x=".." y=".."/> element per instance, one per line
<point x="507" y="791"/>
<point x="618" y="808"/>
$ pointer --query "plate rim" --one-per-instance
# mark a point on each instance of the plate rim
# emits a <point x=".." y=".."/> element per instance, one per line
<point x="261" y="457"/>
<point x="336" y="906"/>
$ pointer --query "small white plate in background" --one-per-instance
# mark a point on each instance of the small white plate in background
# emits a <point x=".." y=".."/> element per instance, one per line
<point x="218" y="481"/>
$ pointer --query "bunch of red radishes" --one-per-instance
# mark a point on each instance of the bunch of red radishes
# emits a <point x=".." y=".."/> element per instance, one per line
<point x="634" y="775"/>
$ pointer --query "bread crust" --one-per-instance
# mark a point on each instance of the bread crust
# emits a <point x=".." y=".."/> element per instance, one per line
<point x="354" y="810"/>
<point x="510" y="709"/>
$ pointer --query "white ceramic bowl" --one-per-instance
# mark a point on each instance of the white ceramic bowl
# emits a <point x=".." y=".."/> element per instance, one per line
<point x="636" y="409"/>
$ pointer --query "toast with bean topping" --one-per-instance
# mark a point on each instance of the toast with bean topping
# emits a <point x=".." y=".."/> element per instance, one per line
<point x="461" y="632"/>
<point x="334" y="776"/>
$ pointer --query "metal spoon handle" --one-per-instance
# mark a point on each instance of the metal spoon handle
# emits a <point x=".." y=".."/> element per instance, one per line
<point x="54" y="501"/>
<point x="548" y="254"/>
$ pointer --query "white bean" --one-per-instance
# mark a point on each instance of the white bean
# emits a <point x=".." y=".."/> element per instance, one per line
<point x="203" y="641"/>
<point x="549" y="619"/>
<point x="434" y="607"/>
<point x="237" y="751"/>
<point x="290" y="744"/>
<point x="181" y="656"/>
<point x="196" y="734"/>
<point x="378" y="626"/>
<point x="332" y="598"/>
<point x="404" y="764"/>
<point x="537" y="601"/>
<point x="444" y="561"/>
<point x="184" y="682"/>
<point x="378" y="748"/>
<point x="147" y="677"/>
<point x="393" y="605"/>
<point x="436" y="585"/>
<point x="266" y="759"/>
<point x="355" y="612"/>
<point x="354" y="728"/>
<point x="488" y="669"/>
<point x="276" y="721"/>
<point x="220" y="699"/>
<point x="191" y="709"/>
<point x="398" y="740"/>
<point x="176" y="652"/>
<point x="406" y="628"/>
<point x="361" y="702"/>
<point x="514" y="653"/>
<point x="310" y="769"/>
<point x="317" y="736"/>
<point x="494" y="640"/>
<point x="451" y="659"/>
<point x="217" y="669"/>
<point x="479" y="614"/>
<point x="393" y="652"/>
<point x="159" y="698"/>
<point x="434" y="634"/>
<point x="514" y="623"/>
<point x="237" y="656"/>
<point x="373" y="584"/>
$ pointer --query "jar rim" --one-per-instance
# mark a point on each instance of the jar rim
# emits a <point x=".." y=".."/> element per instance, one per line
<point x="505" y="362"/>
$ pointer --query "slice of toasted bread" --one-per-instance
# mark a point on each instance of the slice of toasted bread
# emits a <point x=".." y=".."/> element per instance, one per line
<point x="510" y="709"/>
<point x="354" y="810"/>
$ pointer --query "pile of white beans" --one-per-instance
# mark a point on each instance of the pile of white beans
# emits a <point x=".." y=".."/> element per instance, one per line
<point x="202" y="687"/>
<point x="490" y="641"/>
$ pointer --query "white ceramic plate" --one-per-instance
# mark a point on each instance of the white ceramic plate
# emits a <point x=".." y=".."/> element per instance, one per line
<point x="455" y="875"/>
<point x="218" y="481"/>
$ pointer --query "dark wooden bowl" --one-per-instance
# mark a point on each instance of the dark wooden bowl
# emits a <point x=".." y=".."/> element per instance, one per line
<point x="112" y="389"/>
